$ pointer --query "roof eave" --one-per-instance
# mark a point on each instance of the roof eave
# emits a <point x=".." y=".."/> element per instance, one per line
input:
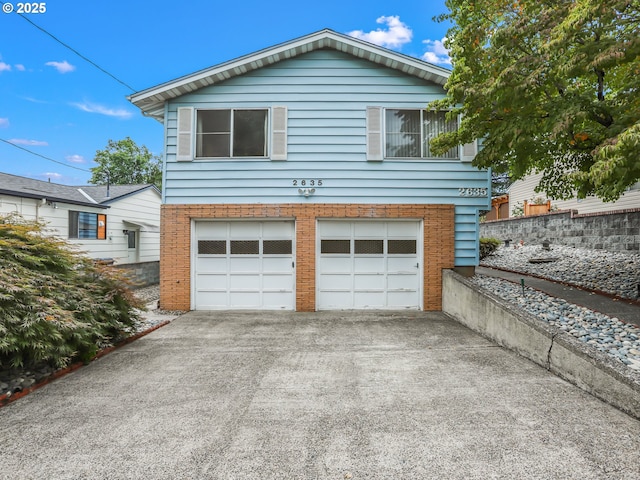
<point x="151" y="101"/>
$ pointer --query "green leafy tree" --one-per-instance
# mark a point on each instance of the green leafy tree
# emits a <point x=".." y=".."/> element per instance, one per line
<point x="549" y="86"/>
<point x="125" y="163"/>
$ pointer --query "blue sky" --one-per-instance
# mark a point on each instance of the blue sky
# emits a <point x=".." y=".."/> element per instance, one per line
<point x="58" y="105"/>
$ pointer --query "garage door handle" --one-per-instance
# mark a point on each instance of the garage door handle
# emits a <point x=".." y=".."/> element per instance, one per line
<point x="293" y="264"/>
<point x="417" y="265"/>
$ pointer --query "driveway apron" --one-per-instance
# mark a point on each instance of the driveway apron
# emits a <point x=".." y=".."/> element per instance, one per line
<point x="331" y="395"/>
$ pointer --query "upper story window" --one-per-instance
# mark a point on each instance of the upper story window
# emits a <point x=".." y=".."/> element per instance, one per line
<point x="231" y="133"/>
<point x="86" y="225"/>
<point x="408" y="132"/>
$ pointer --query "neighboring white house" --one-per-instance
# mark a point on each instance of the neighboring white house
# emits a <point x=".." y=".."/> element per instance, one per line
<point x="522" y="190"/>
<point x="119" y="223"/>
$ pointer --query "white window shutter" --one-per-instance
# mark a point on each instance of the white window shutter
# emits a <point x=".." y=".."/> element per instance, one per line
<point x="279" y="133"/>
<point x="469" y="151"/>
<point x="185" y="133"/>
<point x="374" y="133"/>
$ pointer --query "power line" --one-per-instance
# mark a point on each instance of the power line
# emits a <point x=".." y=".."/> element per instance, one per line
<point x="42" y="156"/>
<point x="75" y="51"/>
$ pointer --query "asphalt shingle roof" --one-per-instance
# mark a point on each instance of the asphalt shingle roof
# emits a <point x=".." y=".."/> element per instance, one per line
<point x="94" y="195"/>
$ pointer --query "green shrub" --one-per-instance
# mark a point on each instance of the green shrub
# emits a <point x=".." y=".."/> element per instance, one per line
<point x="56" y="305"/>
<point x="488" y="245"/>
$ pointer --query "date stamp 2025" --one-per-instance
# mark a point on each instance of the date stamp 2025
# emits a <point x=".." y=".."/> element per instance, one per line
<point x="24" y="8"/>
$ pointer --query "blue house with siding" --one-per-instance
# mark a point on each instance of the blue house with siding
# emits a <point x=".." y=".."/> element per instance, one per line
<point x="300" y="177"/>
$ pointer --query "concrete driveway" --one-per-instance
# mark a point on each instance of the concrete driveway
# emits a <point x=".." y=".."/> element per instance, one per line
<point x="314" y="396"/>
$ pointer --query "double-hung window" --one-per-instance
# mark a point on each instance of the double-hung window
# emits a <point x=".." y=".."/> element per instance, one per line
<point x="231" y="133"/>
<point x="87" y="225"/>
<point x="408" y="132"/>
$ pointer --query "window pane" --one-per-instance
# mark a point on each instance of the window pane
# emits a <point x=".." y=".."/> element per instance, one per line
<point x="213" y="145"/>
<point x="131" y="239"/>
<point x="213" y="134"/>
<point x="335" y="246"/>
<point x="401" y="246"/>
<point x="87" y="225"/>
<point x="214" y="121"/>
<point x="212" y="247"/>
<point x="369" y="247"/>
<point x="245" y="247"/>
<point x="276" y="247"/>
<point x="73" y="224"/>
<point x="402" y="137"/>
<point x="249" y="133"/>
<point x="435" y="123"/>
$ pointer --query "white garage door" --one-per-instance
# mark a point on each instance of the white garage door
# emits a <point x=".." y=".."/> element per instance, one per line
<point x="244" y="265"/>
<point x="369" y="264"/>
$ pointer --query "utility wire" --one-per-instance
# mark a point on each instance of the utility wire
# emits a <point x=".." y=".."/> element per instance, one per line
<point x="42" y="156"/>
<point x="75" y="51"/>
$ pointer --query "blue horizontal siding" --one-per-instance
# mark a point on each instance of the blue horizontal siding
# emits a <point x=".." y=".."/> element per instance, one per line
<point x="327" y="93"/>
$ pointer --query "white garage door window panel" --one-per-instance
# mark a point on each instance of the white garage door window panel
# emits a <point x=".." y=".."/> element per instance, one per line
<point x="252" y="266"/>
<point x="379" y="267"/>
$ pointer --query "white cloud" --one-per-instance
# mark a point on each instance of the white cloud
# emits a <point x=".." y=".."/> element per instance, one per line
<point x="4" y="122"/>
<point x="75" y="159"/>
<point x="436" y="52"/>
<point x="20" y="67"/>
<point x="102" y="110"/>
<point x="30" y="143"/>
<point x="5" y="67"/>
<point x="51" y="175"/>
<point x="62" y="67"/>
<point x="395" y="35"/>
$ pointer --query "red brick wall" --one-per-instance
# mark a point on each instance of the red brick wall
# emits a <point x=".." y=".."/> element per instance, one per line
<point x="175" y="243"/>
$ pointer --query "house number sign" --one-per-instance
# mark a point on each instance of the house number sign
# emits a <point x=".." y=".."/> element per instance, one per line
<point x="307" y="183"/>
<point x="472" y="192"/>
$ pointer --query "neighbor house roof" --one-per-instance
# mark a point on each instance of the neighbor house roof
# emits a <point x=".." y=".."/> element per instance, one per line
<point x="94" y="196"/>
<point x="151" y="101"/>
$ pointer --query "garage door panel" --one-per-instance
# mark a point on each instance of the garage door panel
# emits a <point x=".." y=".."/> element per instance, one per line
<point x="370" y="264"/>
<point x="244" y="265"/>
<point x="212" y="299"/>
<point x="275" y="264"/>
<point x="212" y="264"/>
<point x="276" y="282"/>
<point x="395" y="282"/>
<point x="213" y="281"/>
<point x="369" y="281"/>
<point x="339" y="282"/>
<point x="244" y="282"/>
<point x="336" y="299"/>
<point x="244" y="300"/>
<point x="401" y="299"/>
<point x="408" y="266"/>
<point x="335" y="265"/>
<point x="380" y="271"/>
<point x="370" y="299"/>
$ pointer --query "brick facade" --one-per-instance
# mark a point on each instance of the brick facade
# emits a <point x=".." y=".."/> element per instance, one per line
<point x="175" y="241"/>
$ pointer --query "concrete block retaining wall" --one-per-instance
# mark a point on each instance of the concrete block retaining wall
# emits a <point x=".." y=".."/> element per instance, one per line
<point x="617" y="231"/>
<point x="142" y="274"/>
<point x="547" y="346"/>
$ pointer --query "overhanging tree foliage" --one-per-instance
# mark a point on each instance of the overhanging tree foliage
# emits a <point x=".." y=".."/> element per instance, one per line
<point x="550" y="86"/>
<point x="123" y="162"/>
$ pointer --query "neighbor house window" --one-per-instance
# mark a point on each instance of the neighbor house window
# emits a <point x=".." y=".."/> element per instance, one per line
<point x="85" y="225"/>
<point x="231" y="133"/>
<point x="408" y="132"/>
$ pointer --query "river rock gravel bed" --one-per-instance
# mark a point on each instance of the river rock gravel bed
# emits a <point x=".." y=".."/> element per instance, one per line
<point x="614" y="273"/>
<point x="610" y="272"/>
